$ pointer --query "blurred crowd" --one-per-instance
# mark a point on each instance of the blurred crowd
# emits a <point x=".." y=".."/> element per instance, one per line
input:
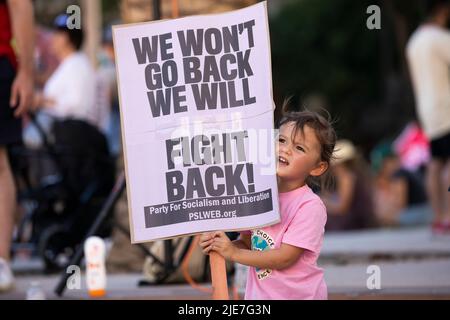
<point x="404" y="181"/>
<point x="59" y="134"/>
<point x="386" y="191"/>
<point x="68" y="85"/>
<point x="410" y="177"/>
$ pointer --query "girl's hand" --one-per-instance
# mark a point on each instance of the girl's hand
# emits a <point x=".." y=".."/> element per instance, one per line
<point x="223" y="245"/>
<point x="206" y="239"/>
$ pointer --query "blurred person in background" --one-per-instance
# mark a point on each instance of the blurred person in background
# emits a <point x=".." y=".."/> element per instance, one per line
<point x="132" y="11"/>
<point x="45" y="61"/>
<point x="16" y="92"/>
<point x="400" y="196"/>
<point x="428" y="54"/>
<point x="69" y="93"/>
<point x="107" y="95"/>
<point x="350" y="206"/>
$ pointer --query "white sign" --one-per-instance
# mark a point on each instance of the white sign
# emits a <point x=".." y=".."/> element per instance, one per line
<point x="197" y="122"/>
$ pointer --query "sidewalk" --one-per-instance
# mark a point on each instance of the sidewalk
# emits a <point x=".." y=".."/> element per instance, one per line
<point x="119" y="287"/>
<point x="384" y="243"/>
<point x="412" y="264"/>
<point x="427" y="278"/>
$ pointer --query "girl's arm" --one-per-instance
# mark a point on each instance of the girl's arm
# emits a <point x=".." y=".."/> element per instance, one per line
<point x="277" y="259"/>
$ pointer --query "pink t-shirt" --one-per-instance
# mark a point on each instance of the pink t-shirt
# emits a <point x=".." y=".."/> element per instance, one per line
<point x="303" y="218"/>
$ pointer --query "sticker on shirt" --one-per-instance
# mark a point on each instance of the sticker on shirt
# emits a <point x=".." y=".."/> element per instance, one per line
<point x="262" y="241"/>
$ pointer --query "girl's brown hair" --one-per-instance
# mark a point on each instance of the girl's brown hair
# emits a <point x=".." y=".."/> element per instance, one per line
<point x="325" y="135"/>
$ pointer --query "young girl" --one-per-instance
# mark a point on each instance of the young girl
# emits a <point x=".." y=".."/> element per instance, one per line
<point x="283" y="257"/>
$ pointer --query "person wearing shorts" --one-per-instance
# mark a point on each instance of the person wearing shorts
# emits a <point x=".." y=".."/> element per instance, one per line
<point x="16" y="95"/>
<point x="428" y="53"/>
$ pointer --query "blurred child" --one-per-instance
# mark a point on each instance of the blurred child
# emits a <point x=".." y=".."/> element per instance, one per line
<point x="400" y="194"/>
<point x="283" y="257"/>
<point x="350" y="206"/>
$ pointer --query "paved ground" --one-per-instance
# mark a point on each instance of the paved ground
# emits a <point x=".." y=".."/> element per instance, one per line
<point x="411" y="265"/>
<point x="403" y="277"/>
<point x="426" y="280"/>
<point x="120" y="286"/>
<point x="385" y="243"/>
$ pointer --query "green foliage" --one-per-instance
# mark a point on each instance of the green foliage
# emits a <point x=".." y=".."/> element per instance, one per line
<point x="324" y="46"/>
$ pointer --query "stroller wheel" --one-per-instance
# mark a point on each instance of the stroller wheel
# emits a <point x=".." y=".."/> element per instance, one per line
<point x="54" y="249"/>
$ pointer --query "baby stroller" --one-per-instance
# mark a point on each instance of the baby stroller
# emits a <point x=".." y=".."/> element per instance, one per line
<point x="61" y="188"/>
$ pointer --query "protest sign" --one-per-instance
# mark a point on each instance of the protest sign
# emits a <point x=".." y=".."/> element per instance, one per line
<point x="197" y="123"/>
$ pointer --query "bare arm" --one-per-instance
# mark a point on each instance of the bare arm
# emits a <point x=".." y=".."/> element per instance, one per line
<point x="40" y="101"/>
<point x="443" y="46"/>
<point x="22" y="22"/>
<point x="276" y="259"/>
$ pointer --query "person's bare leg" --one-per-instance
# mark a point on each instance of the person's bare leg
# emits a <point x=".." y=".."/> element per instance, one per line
<point x="7" y="204"/>
<point x="434" y="188"/>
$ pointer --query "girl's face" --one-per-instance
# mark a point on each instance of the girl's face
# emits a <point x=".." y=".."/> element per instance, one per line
<point x="298" y="157"/>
